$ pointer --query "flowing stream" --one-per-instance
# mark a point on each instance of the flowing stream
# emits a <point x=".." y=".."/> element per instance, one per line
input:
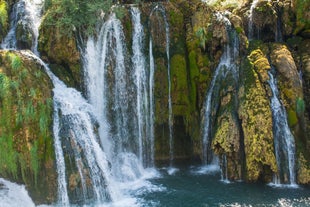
<point x="158" y="9"/>
<point x="26" y="14"/>
<point x="251" y="26"/>
<point x="283" y="139"/>
<point x="227" y="65"/>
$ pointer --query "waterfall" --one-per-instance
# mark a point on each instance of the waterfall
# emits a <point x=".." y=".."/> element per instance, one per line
<point x="224" y="170"/>
<point x="170" y="115"/>
<point x="170" y="112"/>
<point x="227" y="65"/>
<point x="151" y="95"/>
<point x="106" y="83"/>
<point x="250" y="25"/>
<point x="278" y="35"/>
<point x="284" y="143"/>
<point x="122" y="94"/>
<point x="28" y="14"/>
<point x="72" y="112"/>
<point x="144" y="92"/>
<point x="63" y="197"/>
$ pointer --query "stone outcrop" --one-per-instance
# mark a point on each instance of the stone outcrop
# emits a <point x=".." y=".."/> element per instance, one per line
<point x="256" y="118"/>
<point x="62" y="54"/>
<point x="26" y="149"/>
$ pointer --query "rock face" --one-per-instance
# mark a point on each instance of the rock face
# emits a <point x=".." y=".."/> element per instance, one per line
<point x="27" y="153"/>
<point x="256" y="118"/>
<point x="62" y="54"/>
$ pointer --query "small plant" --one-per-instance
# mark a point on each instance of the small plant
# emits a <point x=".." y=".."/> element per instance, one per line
<point x="16" y="61"/>
<point x="35" y="165"/>
<point x="300" y="106"/>
<point x="202" y="35"/>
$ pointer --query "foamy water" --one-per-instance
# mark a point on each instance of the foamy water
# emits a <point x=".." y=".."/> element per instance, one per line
<point x="13" y="195"/>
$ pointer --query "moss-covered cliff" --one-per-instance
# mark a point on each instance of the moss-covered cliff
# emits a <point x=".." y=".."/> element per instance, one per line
<point x="26" y="149"/>
<point x="4" y="18"/>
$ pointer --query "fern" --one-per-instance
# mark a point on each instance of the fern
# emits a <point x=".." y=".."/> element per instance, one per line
<point x="300" y="106"/>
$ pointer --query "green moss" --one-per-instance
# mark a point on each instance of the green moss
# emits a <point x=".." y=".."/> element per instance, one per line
<point x="201" y="33"/>
<point x="25" y="119"/>
<point x="15" y="61"/>
<point x="261" y="64"/>
<point x="176" y="18"/>
<point x="303" y="174"/>
<point x="194" y="77"/>
<point x="256" y="119"/>
<point x="34" y="160"/>
<point x="179" y="85"/>
<point x="239" y="30"/>
<point x="300" y="106"/>
<point x="302" y="16"/>
<point x="3" y="18"/>
<point x="292" y="118"/>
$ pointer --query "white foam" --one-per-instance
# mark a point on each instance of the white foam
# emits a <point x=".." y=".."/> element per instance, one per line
<point x="278" y="185"/>
<point x="206" y="170"/>
<point x="172" y="170"/>
<point x="13" y="195"/>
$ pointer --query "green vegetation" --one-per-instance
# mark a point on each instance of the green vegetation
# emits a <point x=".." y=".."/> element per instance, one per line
<point x="302" y="15"/>
<point x="79" y="15"/>
<point x="292" y="118"/>
<point x="300" y="106"/>
<point x="202" y="36"/>
<point x="25" y="118"/>
<point x="256" y="118"/>
<point x="69" y="16"/>
<point x="3" y="13"/>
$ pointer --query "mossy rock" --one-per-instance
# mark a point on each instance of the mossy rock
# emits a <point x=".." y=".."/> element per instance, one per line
<point x="4" y="19"/>
<point x="292" y="118"/>
<point x="61" y="51"/>
<point x="288" y="78"/>
<point x="256" y="120"/>
<point x="302" y="9"/>
<point x="161" y="91"/>
<point x="179" y="86"/>
<point x="303" y="170"/>
<point x="261" y="64"/>
<point x="24" y="36"/>
<point x="26" y="140"/>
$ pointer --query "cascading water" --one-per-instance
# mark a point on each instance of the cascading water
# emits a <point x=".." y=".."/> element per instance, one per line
<point x="121" y="97"/>
<point x="250" y="24"/>
<point x="227" y="65"/>
<point x="284" y="143"/>
<point x="158" y="8"/>
<point x="151" y="95"/>
<point x="72" y="112"/>
<point x="170" y="115"/>
<point x="25" y="13"/>
<point x="144" y="96"/>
